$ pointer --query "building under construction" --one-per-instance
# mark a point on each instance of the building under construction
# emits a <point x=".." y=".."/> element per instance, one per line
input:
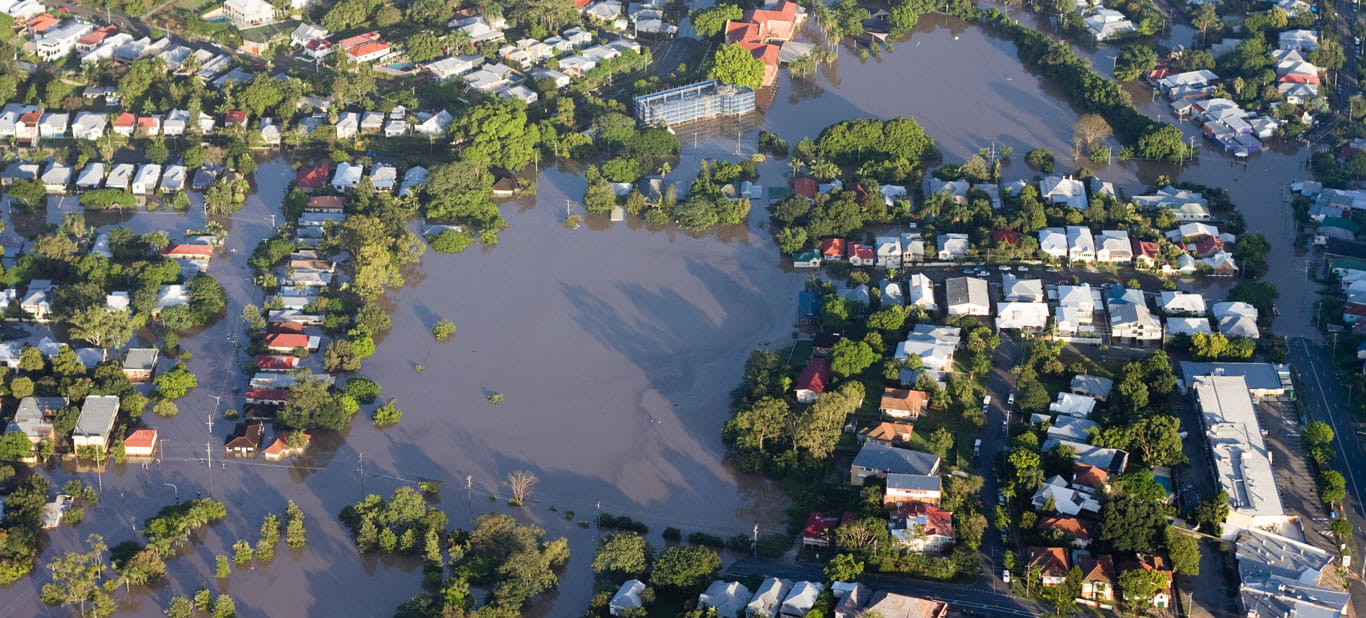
<point x="698" y="101"/>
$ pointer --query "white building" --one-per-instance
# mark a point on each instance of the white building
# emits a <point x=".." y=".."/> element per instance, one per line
<point x="1021" y="315"/>
<point x="1181" y="303"/>
<point x="246" y="14"/>
<point x="348" y="175"/>
<point x="1242" y="462"/>
<point x="922" y="292"/>
<point x="57" y="43"/>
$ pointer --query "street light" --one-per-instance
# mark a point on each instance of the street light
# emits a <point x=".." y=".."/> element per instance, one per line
<point x="177" y="491"/>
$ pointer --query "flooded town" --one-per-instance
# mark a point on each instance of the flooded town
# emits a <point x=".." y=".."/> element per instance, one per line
<point x="593" y="308"/>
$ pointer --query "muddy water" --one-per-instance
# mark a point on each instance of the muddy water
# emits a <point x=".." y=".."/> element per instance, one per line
<point x="613" y="345"/>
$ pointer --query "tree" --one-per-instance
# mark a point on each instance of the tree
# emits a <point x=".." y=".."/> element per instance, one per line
<point x="1157" y="439"/>
<point x="1332" y="486"/>
<point x="423" y="46"/>
<point x="1091" y="128"/>
<point x="165" y="408"/>
<point x="685" y="567"/>
<point x="735" y="65"/>
<point x="1206" y="18"/>
<point x="497" y="133"/>
<point x="443" y="331"/>
<point x="78" y="578"/>
<point x="1139" y="586"/>
<point x="711" y="21"/>
<point x="621" y="555"/>
<point x="1213" y="512"/>
<point x="1250" y="252"/>
<point x="844" y="568"/>
<point x="1328" y="54"/>
<point x="889" y="318"/>
<point x="15" y="445"/>
<point x="222" y="567"/>
<point x="177" y="382"/>
<point x="849" y="357"/>
<point x="156" y="151"/>
<point x="1318" y="440"/>
<point x="103" y="328"/>
<point x="754" y="426"/>
<point x="386" y="415"/>
<point x="1184" y="550"/>
<point x="1130" y="523"/>
<point x="450" y="241"/>
<point x="1040" y="159"/>
<point x="520" y="483"/>
<point x="940" y="441"/>
<point x="1134" y="61"/>
<point x="1260" y="295"/>
<point x="295" y="535"/>
<point x="341" y="355"/>
<point x="31" y="194"/>
<point x="242" y="552"/>
<point x="599" y="197"/>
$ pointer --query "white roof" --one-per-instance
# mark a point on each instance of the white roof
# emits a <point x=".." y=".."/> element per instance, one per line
<point x="1188" y="326"/>
<point x="1073" y="404"/>
<point x="802" y="598"/>
<point x="1228" y="308"/>
<point x="922" y="291"/>
<point x="1241" y="458"/>
<point x="1181" y="302"/>
<point x="1026" y="290"/>
<point x="1021" y="315"/>
<point x="1053" y="241"/>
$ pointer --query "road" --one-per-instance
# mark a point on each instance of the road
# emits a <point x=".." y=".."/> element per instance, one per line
<point x="981" y="597"/>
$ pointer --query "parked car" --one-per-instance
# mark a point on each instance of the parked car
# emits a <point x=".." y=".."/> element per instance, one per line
<point x="1010" y="401"/>
<point x="1022" y="268"/>
<point x="1005" y="575"/>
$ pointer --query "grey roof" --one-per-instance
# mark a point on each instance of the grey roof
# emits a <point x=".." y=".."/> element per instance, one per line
<point x="1262" y="555"/>
<point x="140" y="358"/>
<point x="875" y="456"/>
<point x="1259" y="376"/>
<point x="97" y="416"/>
<point x="966" y="290"/>
<point x="1278" y="596"/>
<point x="1095" y="386"/>
<point x="1109" y="459"/>
<point x="729" y="598"/>
<point x="914" y="482"/>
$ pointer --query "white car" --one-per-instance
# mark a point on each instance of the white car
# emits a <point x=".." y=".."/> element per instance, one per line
<point x="1005" y="575"/>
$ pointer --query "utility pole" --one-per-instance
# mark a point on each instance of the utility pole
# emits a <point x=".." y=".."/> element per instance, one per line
<point x="756" y="538"/>
<point x="469" y="493"/>
<point x="361" y="469"/>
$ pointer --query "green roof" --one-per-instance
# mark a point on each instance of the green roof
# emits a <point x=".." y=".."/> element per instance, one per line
<point x="1339" y="222"/>
<point x="805" y="255"/>
<point x="1348" y="263"/>
<point x="268" y="32"/>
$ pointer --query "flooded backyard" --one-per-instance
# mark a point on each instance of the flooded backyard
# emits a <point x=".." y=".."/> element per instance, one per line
<point x="614" y="346"/>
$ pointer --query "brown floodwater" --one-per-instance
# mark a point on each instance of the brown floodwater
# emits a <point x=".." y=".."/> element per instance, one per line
<point x="614" y="346"/>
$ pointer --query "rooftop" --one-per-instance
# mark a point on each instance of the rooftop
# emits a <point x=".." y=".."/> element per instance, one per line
<point x="1240" y="455"/>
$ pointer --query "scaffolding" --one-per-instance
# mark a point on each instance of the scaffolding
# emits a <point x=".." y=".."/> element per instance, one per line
<point x="698" y="101"/>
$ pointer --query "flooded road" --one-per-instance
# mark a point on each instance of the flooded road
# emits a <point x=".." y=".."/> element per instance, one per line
<point x="614" y="346"/>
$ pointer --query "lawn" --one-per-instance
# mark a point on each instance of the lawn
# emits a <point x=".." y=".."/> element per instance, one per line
<point x="801" y="353"/>
<point x="964" y="435"/>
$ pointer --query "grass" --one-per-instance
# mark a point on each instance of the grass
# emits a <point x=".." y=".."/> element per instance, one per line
<point x="964" y="435"/>
<point x="801" y="353"/>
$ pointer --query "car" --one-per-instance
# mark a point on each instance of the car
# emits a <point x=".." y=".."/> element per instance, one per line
<point x="1010" y="401"/>
<point x="1022" y="268"/>
<point x="1276" y="311"/>
<point x="1005" y="268"/>
<point x="950" y="270"/>
<point x="1005" y="575"/>
<point x="1001" y="500"/>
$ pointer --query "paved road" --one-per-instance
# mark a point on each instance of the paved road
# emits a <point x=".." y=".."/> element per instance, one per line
<point x="980" y="597"/>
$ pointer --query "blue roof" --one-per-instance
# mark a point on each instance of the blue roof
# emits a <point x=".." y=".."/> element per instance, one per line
<point x="808" y="305"/>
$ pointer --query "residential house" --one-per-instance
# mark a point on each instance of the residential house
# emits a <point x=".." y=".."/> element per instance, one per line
<point x="1081" y="245"/>
<point x="1134" y="322"/>
<point x="277" y="363"/>
<point x="1076" y="429"/>
<point x="120" y="176"/>
<point x="876" y="460"/>
<point x="1077" y="532"/>
<point x="245" y="439"/>
<point x="1053" y="242"/>
<point x="384" y="177"/>
<point x="140" y="443"/>
<point x="912" y="248"/>
<point x="281" y="448"/>
<point x="802" y="598"/>
<point x="140" y="365"/>
<point x="889" y="253"/>
<point x="56" y="178"/>
<point x="861" y="255"/>
<point x="1098" y="387"/>
<point x="920" y="527"/>
<point x="146" y="179"/>
<point x="1112" y="461"/>
<point x="935" y="345"/>
<point x="89" y="125"/>
<point x="434" y="125"/>
<point x="820" y="529"/>
<point x="1067" y="499"/>
<point x="288" y="342"/>
<point x="953" y="246"/>
<point x="1051" y="564"/>
<point x="311" y="178"/>
<point x="54" y="125"/>
<point x="1072" y="404"/>
<point x="1063" y="191"/>
<point x="348" y="175"/>
<point x="728" y="598"/>
<point x="957" y="190"/>
<point x="627" y="598"/>
<point x="1105" y="24"/>
<point x="922" y="292"/>
<point x="889" y="433"/>
<point x="767" y="597"/>
<point x="1163" y="598"/>
<point x="190" y="252"/>
<point x="832" y="249"/>
<point x="34" y="418"/>
<point x="244" y="14"/>
<point x="891" y="294"/>
<point x="967" y="296"/>
<point x="918" y="488"/>
<point x="1018" y="290"/>
<point x="95" y="422"/>
<point x="37" y="303"/>
<point x="806" y="258"/>
<point x="1181" y="303"/>
<point x="1114" y="247"/>
<point x="348" y="124"/>
<point x="812" y="380"/>
<point x="892" y="605"/>
<point x="1189" y="327"/>
<point x="1098" y="579"/>
<point x="57" y="43"/>
<point x="1021" y="316"/>
<point x="902" y="403"/>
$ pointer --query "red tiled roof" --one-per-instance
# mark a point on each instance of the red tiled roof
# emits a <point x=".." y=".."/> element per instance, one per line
<point x="359" y="39"/>
<point x="31" y="118"/>
<point x="1147" y="249"/>
<point x="268" y="394"/>
<point x="1051" y="561"/>
<point x="149" y="122"/>
<point x="1080" y="529"/>
<point x="97" y="36"/>
<point x="328" y="202"/>
<point x="281" y="443"/>
<point x="903" y="400"/>
<point x="1299" y="78"/>
<point x="861" y="251"/>
<point x="276" y="362"/>
<point x="1208" y="245"/>
<point x="887" y="432"/>
<point x="820" y="525"/>
<point x="313" y="176"/>
<point x="188" y="249"/>
<point x="125" y="119"/>
<point x="805" y="186"/>
<point x="141" y="438"/>
<point x="367" y="49"/>
<point x="287" y="340"/>
<point x="1090" y="476"/>
<point x="832" y="247"/>
<point x="319" y="44"/>
<point x="1009" y="237"/>
<point x="1097" y="568"/>
<point x="938" y="522"/>
<point x="815" y="376"/>
<point x="235" y="117"/>
<point x="42" y="23"/>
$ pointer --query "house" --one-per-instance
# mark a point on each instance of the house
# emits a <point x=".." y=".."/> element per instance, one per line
<point x="89" y="125"/>
<point x="935" y="345"/>
<point x="1076" y="429"/>
<point x="891" y="294"/>
<point x="808" y="310"/>
<point x="912" y="248"/>
<point x="26" y="128"/>
<point x="140" y="365"/>
<point x="1189" y="327"/>
<point x="1181" y="303"/>
<point x="1114" y="247"/>
<point x="56" y="178"/>
<point x="876" y="460"/>
<point x="1063" y="191"/>
<point x="54" y="124"/>
<point x="384" y="177"/>
<point x="53" y="511"/>
<point x="1163" y="598"/>
<point x="767" y="597"/>
<point x="967" y="296"/>
<point x="953" y="246"/>
<point x="60" y="42"/>
<point x="889" y="254"/>
<point x="627" y="598"/>
<point x="832" y="249"/>
<point x="920" y="527"/>
<point x="802" y="598"/>
<point x="892" y="605"/>
<point x="1022" y="316"/>
<point x="957" y="190"/>
<point x="728" y="598"/>
<point x="245" y="439"/>
<point x="1105" y="24"/>
<point x="820" y="529"/>
<point x="1081" y="245"/>
<point x="348" y="175"/>
<point x="244" y="14"/>
<point x="367" y="51"/>
<point x="1072" y="404"/>
<point x="920" y="488"/>
<point x="1053" y="242"/>
<point x="1134" y="322"/>
<point x="173" y="178"/>
<point x="1093" y="386"/>
<point x="1098" y="581"/>
<point x="277" y="363"/>
<point x="434" y="125"/>
<point x="1077" y="532"/>
<point x="1303" y="41"/>
<point x="1238" y="326"/>
<point x="812" y="380"/>
<point x="34" y="417"/>
<point x="310" y="178"/>
<point x="120" y="176"/>
<point x="1014" y="289"/>
<point x="288" y="342"/>
<point x="1051" y="563"/>
<point x="192" y="252"/>
<point x="95" y="422"/>
<point x="889" y="433"/>
<point x="281" y="449"/>
<point x="902" y="403"/>
<point x="806" y="258"/>
<point x="140" y="443"/>
<point x="145" y="181"/>
<point x="37" y="304"/>
<point x="922" y="292"/>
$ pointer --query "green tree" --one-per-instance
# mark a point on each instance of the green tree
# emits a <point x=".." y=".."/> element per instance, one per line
<point x="386" y="415"/>
<point x="1139" y="586"/>
<point x="101" y="327"/>
<point x="295" y="534"/>
<point x="1157" y="440"/>
<point x="685" y="567"/>
<point x="222" y="567"/>
<point x="1134" y="61"/>
<point x="497" y="133"/>
<point x="423" y="46"/>
<point x="621" y="555"/>
<point x="1332" y="486"/>
<point x="242" y="552"/>
<point x="1318" y="441"/>
<point x="849" y="357"/>
<point x="177" y="382"/>
<point x="733" y="64"/>
<point x="844" y="568"/>
<point x="1130" y="523"/>
<point x="1184" y="550"/>
<point x="78" y="580"/>
<point x="450" y="241"/>
<point x="940" y="441"/>
<point x="15" y="445"/>
<point x="443" y="331"/>
<point x="709" y="22"/>
<point x="30" y="194"/>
